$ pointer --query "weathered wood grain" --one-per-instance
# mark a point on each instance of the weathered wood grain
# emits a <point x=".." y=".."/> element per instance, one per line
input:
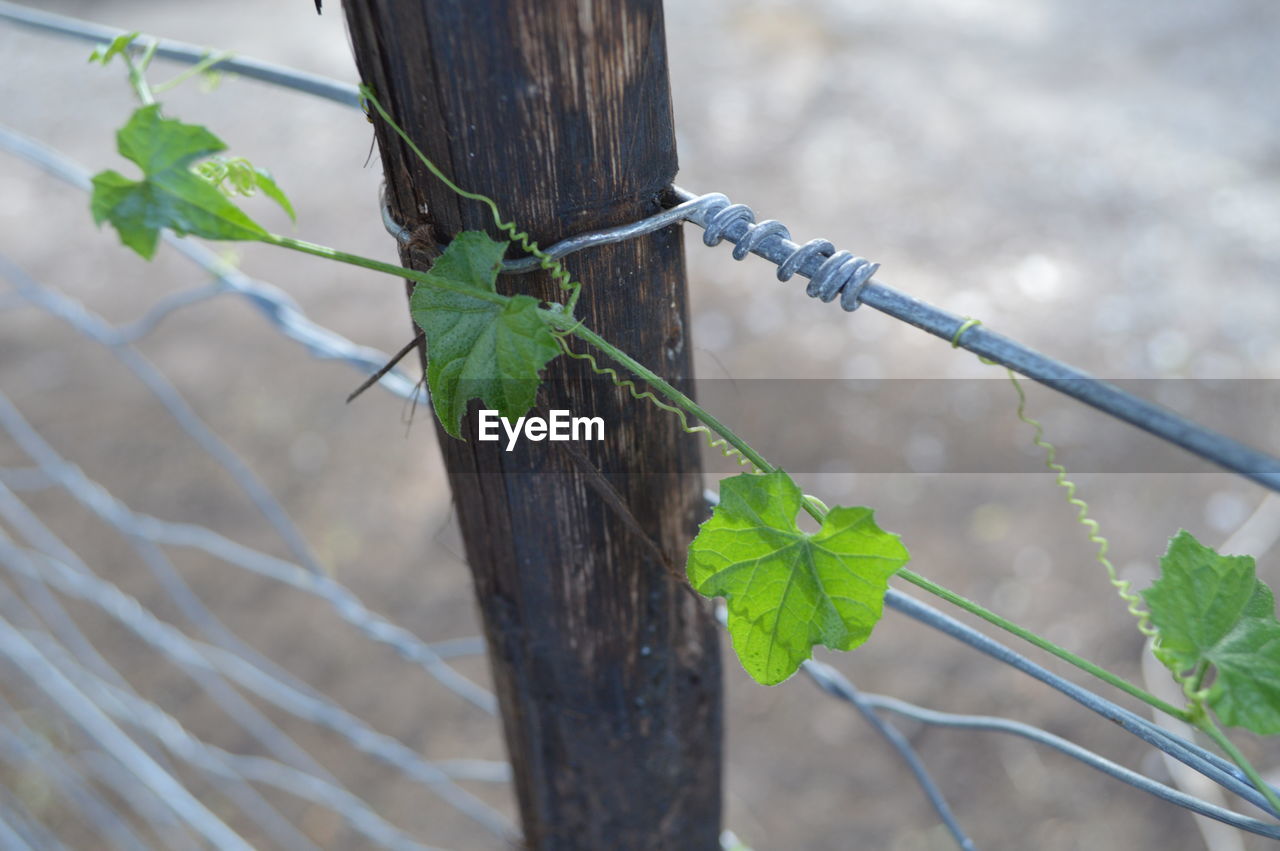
<point x="605" y="663"/>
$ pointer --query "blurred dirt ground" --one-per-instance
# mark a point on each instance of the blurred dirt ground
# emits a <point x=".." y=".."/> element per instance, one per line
<point x="1100" y="180"/>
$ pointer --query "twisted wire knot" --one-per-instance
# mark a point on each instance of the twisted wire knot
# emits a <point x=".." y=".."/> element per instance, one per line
<point x="841" y="274"/>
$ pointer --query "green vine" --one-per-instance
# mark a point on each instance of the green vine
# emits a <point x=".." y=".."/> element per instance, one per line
<point x="713" y="442"/>
<point x="1210" y="613"/>
<point x="1213" y="623"/>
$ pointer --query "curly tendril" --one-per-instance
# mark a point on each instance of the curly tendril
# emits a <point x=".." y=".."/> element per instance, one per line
<point x="630" y="386"/>
<point x="557" y="270"/>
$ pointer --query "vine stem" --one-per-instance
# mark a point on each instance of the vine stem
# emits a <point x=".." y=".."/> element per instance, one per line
<point x="816" y="510"/>
<point x="138" y="72"/>
<point x="573" y="326"/>
<point x="1205" y="723"/>
<point x="565" y="323"/>
<point x="1044" y="644"/>
<point x="379" y="266"/>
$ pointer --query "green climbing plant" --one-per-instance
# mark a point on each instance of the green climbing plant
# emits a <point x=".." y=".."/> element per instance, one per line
<point x="1212" y="621"/>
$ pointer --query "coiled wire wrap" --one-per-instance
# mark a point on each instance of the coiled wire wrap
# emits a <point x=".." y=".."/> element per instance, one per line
<point x="842" y="273"/>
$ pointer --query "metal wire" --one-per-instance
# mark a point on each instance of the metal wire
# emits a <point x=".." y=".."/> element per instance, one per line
<point x="899" y="742"/>
<point x="145" y="528"/>
<point x="837" y="685"/>
<point x="22" y="749"/>
<point x="80" y="709"/>
<point x="147" y="533"/>
<point x="80" y="583"/>
<point x="841" y="274"/>
<point x="127" y="708"/>
<point x="807" y="260"/>
<point x="193" y="657"/>
<point x="896" y="740"/>
<point x="565" y="247"/>
<point x="276" y="75"/>
<point x="1210" y="765"/>
<point x="140" y="528"/>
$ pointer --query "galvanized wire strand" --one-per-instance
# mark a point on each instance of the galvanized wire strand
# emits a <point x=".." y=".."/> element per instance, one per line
<point x="565" y="247"/>
<point x="235" y="790"/>
<point x="91" y="495"/>
<point x="839" y="274"/>
<point x="221" y="765"/>
<point x="25" y="479"/>
<point x="95" y="329"/>
<point x="79" y="317"/>
<point x="178" y="51"/>
<point x="190" y="656"/>
<point x="172" y="833"/>
<point x="347" y="605"/>
<point x="100" y="728"/>
<point x="836" y="684"/>
<point x="22" y="749"/>
<point x="144" y="805"/>
<point x="217" y="762"/>
<point x="808" y="260"/>
<point x="895" y="739"/>
<point x="134" y="331"/>
<point x="46" y="604"/>
<point x="908" y="754"/>
<point x="12" y="833"/>
<point x="241" y="794"/>
<point x="34" y="531"/>
<point x="1210" y="765"/>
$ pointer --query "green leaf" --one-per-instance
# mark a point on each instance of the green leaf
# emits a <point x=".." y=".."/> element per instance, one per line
<point x="272" y="190"/>
<point x="788" y="590"/>
<point x="103" y="53"/>
<point x="1211" y="609"/>
<point x="170" y="194"/>
<point x="487" y="346"/>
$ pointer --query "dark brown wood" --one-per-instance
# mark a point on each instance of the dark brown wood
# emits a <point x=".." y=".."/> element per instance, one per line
<point x="605" y="663"/>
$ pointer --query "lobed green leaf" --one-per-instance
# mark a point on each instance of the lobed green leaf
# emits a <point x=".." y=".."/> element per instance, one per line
<point x="169" y="194"/>
<point x="788" y="590"/>
<point x="1212" y="610"/>
<point x="487" y="346"/>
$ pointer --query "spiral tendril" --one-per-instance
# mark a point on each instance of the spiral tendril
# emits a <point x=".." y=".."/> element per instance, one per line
<point x="557" y="270"/>
<point x="630" y="386"/>
<point x="1124" y="588"/>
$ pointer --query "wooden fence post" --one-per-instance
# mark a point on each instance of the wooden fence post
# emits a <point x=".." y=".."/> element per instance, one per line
<point x="605" y="663"/>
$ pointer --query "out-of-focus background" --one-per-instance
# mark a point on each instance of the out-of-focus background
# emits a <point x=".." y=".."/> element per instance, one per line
<point x="1100" y="180"/>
